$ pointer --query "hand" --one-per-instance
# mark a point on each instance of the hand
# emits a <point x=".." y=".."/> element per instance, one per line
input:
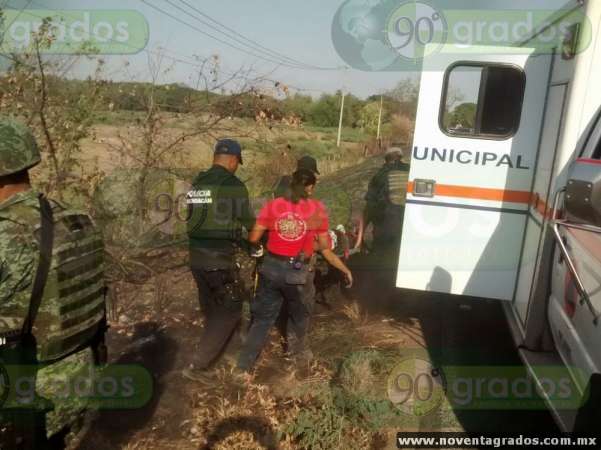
<point x="349" y="279"/>
<point x="257" y="252"/>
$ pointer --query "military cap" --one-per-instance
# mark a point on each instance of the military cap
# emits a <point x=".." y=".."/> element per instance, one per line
<point x="18" y="148"/>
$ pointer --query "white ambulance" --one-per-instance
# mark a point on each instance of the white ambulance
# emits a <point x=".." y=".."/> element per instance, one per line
<point x="504" y="196"/>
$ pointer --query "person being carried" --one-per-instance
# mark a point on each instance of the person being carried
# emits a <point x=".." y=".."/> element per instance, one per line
<point x="292" y="223"/>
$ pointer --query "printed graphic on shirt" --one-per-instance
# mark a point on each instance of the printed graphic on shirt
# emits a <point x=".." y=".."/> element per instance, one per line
<point x="290" y="227"/>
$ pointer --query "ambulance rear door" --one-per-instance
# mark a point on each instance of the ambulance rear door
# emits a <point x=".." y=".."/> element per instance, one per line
<point x="473" y="162"/>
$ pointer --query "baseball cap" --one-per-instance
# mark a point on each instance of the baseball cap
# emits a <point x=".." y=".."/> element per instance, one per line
<point x="309" y="163"/>
<point x="229" y="147"/>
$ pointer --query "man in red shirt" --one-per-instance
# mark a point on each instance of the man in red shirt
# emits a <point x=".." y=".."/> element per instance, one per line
<point x="293" y="224"/>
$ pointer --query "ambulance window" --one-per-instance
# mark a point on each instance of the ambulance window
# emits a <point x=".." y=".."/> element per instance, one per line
<point x="483" y="101"/>
<point x="461" y="100"/>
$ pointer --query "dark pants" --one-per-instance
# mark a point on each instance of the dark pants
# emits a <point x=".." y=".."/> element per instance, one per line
<point x="387" y="235"/>
<point x="309" y="292"/>
<point x="220" y="297"/>
<point x="273" y="291"/>
<point x="284" y="321"/>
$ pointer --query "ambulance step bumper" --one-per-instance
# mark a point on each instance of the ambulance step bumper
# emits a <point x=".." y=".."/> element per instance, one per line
<point x="537" y="361"/>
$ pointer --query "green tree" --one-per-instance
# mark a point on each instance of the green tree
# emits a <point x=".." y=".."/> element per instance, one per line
<point x="33" y="89"/>
<point x="463" y="116"/>
<point x="368" y="118"/>
<point x="298" y="105"/>
<point x="326" y="111"/>
<point x="352" y="111"/>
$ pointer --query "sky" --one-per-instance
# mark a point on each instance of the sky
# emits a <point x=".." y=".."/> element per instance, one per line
<point x="299" y="29"/>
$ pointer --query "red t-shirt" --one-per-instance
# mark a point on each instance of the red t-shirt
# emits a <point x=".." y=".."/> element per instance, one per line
<point x="293" y="227"/>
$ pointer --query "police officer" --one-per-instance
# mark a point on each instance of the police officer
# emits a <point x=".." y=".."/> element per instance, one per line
<point x="385" y="203"/>
<point x="219" y="209"/>
<point x="282" y="186"/>
<point x="44" y="265"/>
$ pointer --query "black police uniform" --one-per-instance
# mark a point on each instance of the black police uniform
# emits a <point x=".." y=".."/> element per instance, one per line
<point x="219" y="207"/>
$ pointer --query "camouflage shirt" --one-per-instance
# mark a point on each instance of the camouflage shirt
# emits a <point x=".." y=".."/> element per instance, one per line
<point x="19" y="215"/>
<point x="19" y="256"/>
<point x="377" y="196"/>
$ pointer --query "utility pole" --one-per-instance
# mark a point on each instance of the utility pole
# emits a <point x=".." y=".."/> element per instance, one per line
<point x="341" y="116"/>
<point x="380" y="117"/>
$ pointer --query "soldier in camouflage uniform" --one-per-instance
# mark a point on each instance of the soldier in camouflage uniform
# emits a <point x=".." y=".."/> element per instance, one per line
<point x="70" y="325"/>
<point x="385" y="205"/>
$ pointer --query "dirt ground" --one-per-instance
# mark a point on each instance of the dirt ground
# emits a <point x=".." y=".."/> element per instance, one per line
<point x="372" y="321"/>
<point x="164" y="340"/>
<point x="359" y="338"/>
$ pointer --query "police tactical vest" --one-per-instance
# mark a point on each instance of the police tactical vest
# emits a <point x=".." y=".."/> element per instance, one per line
<point x="395" y="182"/>
<point x="210" y="211"/>
<point x="73" y="309"/>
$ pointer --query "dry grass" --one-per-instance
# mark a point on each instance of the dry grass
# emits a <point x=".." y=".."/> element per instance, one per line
<point x="294" y="413"/>
<point x="340" y="403"/>
<point x="235" y="416"/>
<point x="355" y="314"/>
<point x="391" y="334"/>
<point x="335" y="405"/>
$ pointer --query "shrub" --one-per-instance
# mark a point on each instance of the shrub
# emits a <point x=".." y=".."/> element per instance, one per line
<point x="402" y="128"/>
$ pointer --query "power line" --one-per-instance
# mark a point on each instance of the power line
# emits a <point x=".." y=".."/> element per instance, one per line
<point x="245" y="40"/>
<point x="162" y="11"/>
<point x="179" y="20"/>
<point x="125" y="44"/>
<point x="168" y="54"/>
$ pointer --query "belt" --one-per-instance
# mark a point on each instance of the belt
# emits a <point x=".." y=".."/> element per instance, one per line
<point x="210" y="259"/>
<point x="288" y="259"/>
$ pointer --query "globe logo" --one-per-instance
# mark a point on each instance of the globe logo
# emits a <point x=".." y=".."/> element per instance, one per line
<point x="413" y="26"/>
<point x="381" y="35"/>
<point x="415" y="387"/>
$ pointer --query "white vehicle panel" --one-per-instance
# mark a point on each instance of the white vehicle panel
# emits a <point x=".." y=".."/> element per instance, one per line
<point x="468" y="237"/>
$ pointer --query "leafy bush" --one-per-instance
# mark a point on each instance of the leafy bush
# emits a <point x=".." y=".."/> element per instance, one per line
<point x="319" y="428"/>
<point x="326" y="111"/>
<point x="351" y="407"/>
